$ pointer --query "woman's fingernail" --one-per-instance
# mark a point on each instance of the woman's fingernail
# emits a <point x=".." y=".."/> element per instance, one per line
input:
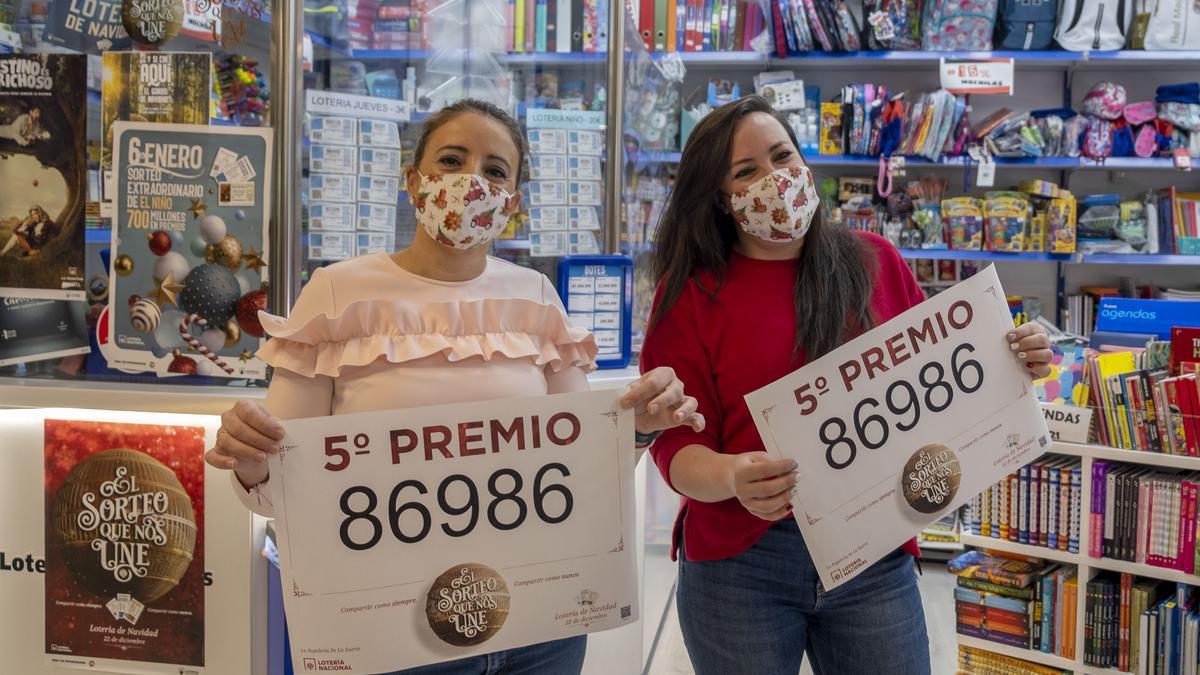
<point x="1021" y="355"/>
<point x="795" y="465"/>
<point x="1012" y="337"/>
<point x="1014" y="346"/>
<point x="1029" y="365"/>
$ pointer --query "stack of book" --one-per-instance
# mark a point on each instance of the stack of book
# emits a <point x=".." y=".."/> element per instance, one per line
<point x="972" y="661"/>
<point x="1017" y="602"/>
<point x="1144" y="404"/>
<point x="1144" y="515"/>
<point x="1179" y="221"/>
<point x="1038" y="505"/>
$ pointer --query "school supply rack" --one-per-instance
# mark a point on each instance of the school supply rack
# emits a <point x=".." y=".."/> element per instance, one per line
<point x="1088" y="566"/>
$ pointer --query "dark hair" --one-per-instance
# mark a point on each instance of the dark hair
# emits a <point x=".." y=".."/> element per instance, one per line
<point x="834" y="275"/>
<point x="471" y="105"/>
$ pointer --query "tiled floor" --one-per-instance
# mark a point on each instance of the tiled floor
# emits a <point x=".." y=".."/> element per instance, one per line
<point x="937" y="588"/>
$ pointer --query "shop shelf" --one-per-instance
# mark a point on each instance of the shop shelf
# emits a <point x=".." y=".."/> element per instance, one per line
<point x="1026" y="654"/>
<point x="1135" y="259"/>
<point x="389" y="54"/>
<point x="990" y="256"/>
<point x="1049" y="163"/>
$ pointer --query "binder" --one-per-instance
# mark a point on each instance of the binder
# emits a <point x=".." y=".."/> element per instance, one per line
<point x="602" y="25"/>
<point x="577" y="26"/>
<point x="552" y="26"/>
<point x="672" y="21"/>
<point x="689" y="26"/>
<point x="530" y="25"/>
<point x="590" y="25"/>
<point x="739" y="26"/>
<point x="510" y="14"/>
<point x="660" y="25"/>
<point x="539" y="39"/>
<point x="706" y="26"/>
<point x="680" y="24"/>
<point x="563" y="41"/>
<point x="519" y="32"/>
<point x="646" y="23"/>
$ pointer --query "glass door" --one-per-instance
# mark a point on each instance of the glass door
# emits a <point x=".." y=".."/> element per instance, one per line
<point x="71" y="72"/>
<point x="390" y="64"/>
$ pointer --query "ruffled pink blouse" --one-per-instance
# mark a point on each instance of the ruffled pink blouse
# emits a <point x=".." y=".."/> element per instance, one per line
<point x="367" y="335"/>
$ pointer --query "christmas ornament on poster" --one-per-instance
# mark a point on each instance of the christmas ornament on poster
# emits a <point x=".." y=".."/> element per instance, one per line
<point x="152" y="22"/>
<point x="125" y="525"/>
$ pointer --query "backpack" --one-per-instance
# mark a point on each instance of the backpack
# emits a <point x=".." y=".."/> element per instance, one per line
<point x="1094" y="25"/>
<point x="1027" y="24"/>
<point x="892" y="25"/>
<point x="958" y="25"/>
<point x="1173" y="25"/>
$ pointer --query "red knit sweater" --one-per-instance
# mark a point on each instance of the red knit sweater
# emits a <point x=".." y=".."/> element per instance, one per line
<point x="725" y="348"/>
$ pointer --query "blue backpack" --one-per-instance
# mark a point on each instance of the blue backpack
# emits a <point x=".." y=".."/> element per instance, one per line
<point x="1027" y="24"/>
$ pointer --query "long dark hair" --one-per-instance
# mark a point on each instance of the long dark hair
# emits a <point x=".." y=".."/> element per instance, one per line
<point x="834" y="275"/>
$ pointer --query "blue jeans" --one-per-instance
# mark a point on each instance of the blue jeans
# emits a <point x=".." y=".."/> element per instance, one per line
<point x="759" y="612"/>
<point x="559" y="657"/>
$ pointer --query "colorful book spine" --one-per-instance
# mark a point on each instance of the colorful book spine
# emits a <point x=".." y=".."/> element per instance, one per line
<point x="1023" y="506"/>
<point x="1011" y="487"/>
<point x="1076" y="515"/>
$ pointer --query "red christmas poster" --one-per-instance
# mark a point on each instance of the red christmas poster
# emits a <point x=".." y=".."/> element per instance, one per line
<point x="124" y="546"/>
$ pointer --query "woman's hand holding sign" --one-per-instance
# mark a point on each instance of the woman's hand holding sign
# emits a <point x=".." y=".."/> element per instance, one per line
<point x="1031" y="345"/>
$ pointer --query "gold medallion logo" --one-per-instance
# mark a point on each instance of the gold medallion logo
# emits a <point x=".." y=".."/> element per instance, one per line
<point x="931" y="478"/>
<point x="467" y="604"/>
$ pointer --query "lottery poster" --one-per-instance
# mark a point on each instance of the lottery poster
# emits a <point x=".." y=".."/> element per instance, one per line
<point x="124" y="546"/>
<point x="189" y="259"/>
<point x="91" y="26"/>
<point x="162" y="87"/>
<point x="41" y="330"/>
<point x="43" y="175"/>
<point x="412" y="537"/>
<point x="902" y="425"/>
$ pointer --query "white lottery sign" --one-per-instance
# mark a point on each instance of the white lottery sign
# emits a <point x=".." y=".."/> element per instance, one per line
<point x="900" y="426"/>
<point x="418" y="536"/>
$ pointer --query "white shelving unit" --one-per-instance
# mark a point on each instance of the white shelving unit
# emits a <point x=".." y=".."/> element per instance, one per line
<point x="1088" y="566"/>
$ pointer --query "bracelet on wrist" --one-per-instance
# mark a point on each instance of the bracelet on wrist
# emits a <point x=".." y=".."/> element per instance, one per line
<point x="644" y="440"/>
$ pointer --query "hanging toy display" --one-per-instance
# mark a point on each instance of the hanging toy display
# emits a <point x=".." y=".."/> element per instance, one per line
<point x="243" y="91"/>
<point x="152" y="23"/>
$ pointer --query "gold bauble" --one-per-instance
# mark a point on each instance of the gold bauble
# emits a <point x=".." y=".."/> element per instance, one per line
<point x="227" y="253"/>
<point x="166" y="507"/>
<point x="467" y="604"/>
<point x="123" y="265"/>
<point x="233" y="333"/>
<point x="152" y="22"/>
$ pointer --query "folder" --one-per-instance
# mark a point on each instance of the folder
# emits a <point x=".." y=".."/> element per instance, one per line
<point x="672" y="21"/>
<point x="646" y="23"/>
<point x="563" y="41"/>
<point x="552" y="26"/>
<point x="539" y="39"/>
<point x="660" y="25"/>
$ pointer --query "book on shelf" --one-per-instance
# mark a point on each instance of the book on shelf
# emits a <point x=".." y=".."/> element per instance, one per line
<point x="698" y="25"/>
<point x="1038" y="505"/>
<point x="1034" y="610"/>
<point x="1145" y="516"/>
<point x="982" y="662"/>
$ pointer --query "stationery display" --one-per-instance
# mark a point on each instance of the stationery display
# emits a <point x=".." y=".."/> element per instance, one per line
<point x="471" y="528"/>
<point x="598" y="294"/>
<point x="934" y="397"/>
<point x="566" y="193"/>
<point x="354" y="188"/>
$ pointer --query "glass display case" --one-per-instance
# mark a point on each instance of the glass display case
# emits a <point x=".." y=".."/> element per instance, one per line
<point x="386" y="66"/>
<point x="68" y="72"/>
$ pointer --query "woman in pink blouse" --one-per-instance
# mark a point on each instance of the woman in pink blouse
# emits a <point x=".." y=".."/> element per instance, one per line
<point x="439" y="322"/>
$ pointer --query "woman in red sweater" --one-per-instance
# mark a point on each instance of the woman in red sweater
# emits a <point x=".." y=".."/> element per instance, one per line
<point x="753" y="286"/>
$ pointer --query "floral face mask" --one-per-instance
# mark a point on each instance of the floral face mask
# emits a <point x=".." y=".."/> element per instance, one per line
<point x="779" y="207"/>
<point x="461" y="210"/>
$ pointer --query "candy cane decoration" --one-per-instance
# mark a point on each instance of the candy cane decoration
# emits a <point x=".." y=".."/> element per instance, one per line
<point x="186" y="333"/>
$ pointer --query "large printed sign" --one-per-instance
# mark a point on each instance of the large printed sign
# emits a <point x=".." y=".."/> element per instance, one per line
<point x="419" y="536"/>
<point x="902" y="425"/>
<point x="124" y="545"/>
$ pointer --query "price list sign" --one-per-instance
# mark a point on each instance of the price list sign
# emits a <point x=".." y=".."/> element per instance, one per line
<point x="418" y="536"/>
<point x="900" y="426"/>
